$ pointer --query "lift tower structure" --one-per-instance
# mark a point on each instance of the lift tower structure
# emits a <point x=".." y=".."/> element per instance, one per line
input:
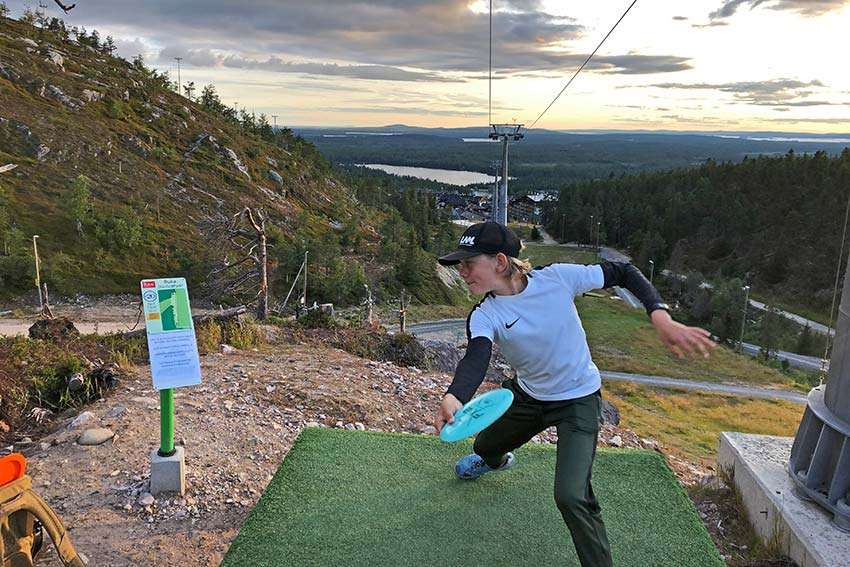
<point x="820" y="457"/>
<point x="504" y="133"/>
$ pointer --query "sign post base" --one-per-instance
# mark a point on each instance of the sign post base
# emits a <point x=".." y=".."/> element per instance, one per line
<point x="168" y="474"/>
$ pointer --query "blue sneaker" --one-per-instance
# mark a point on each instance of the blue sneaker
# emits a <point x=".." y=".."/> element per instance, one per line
<point x="472" y="466"/>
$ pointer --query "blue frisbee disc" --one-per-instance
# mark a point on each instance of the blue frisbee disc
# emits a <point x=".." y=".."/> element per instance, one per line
<point x="477" y="414"/>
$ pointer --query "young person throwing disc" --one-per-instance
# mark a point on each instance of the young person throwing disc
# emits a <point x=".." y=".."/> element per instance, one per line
<point x="532" y="316"/>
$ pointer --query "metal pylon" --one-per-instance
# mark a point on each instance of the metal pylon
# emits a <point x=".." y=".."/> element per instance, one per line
<point x="504" y="133"/>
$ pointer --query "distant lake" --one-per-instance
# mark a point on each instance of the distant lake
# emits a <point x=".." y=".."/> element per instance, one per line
<point x="450" y="176"/>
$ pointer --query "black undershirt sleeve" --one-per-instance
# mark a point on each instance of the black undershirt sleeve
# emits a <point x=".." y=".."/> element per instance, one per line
<point x="471" y="369"/>
<point x="625" y="275"/>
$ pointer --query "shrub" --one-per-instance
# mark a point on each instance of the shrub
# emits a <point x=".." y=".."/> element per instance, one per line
<point x="208" y="336"/>
<point x="318" y="319"/>
<point x="115" y="109"/>
<point x="241" y="334"/>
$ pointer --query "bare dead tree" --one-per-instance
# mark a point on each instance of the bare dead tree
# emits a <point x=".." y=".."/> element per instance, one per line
<point x="243" y="268"/>
<point x="259" y="225"/>
<point x="46" y="312"/>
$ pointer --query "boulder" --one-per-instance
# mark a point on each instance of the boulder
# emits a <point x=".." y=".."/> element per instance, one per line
<point x="58" y="94"/>
<point x="95" y="436"/>
<point x="56" y="58"/>
<point x="237" y="162"/>
<point x="275" y="176"/>
<point x="83" y="420"/>
<point x="91" y="96"/>
<point x="610" y="413"/>
<point x="53" y="329"/>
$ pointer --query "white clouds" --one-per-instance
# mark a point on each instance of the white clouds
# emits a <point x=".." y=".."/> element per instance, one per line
<point x="769" y="92"/>
<point x="805" y="7"/>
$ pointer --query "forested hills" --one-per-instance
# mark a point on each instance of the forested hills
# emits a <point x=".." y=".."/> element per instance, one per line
<point x="123" y="178"/>
<point x="775" y="222"/>
<point x="548" y="159"/>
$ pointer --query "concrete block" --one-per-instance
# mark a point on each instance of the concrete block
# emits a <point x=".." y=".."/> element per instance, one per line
<point x="168" y="474"/>
<point x="802" y="529"/>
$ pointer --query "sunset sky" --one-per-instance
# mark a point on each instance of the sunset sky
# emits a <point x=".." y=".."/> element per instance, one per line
<point x="777" y="65"/>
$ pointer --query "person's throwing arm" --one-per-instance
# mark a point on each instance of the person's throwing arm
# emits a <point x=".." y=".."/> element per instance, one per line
<point x="469" y="374"/>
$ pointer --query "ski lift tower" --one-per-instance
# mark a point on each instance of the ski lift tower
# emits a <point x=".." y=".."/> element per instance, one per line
<point x="504" y="133"/>
<point x="820" y="457"/>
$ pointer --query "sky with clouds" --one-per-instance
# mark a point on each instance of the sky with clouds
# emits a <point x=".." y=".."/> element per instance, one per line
<point x="697" y="65"/>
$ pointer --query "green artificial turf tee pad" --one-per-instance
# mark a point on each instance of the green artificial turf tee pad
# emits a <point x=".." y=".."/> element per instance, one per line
<point x="349" y="498"/>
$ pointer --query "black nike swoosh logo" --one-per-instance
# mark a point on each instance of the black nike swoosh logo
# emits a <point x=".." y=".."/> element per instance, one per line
<point x="512" y="324"/>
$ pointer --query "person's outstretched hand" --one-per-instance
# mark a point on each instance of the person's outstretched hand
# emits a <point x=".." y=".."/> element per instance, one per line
<point x="680" y="339"/>
<point x="446" y="412"/>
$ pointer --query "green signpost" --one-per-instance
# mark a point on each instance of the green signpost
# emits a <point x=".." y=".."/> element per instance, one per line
<point x="174" y="363"/>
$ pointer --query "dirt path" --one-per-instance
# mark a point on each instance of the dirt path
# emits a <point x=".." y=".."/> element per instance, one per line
<point x="101" y="318"/>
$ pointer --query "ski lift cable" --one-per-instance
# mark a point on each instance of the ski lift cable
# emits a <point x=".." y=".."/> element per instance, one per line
<point x="582" y="65"/>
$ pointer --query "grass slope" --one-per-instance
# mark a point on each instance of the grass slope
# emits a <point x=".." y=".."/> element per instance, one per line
<point x="351" y="498"/>
<point x="134" y="143"/>
<point x="690" y="422"/>
<point x="622" y="339"/>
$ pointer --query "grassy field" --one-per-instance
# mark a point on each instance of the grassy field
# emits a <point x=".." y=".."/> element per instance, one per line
<point x="690" y="422"/>
<point x="541" y="254"/>
<point x="622" y="339"/>
<point x="361" y="498"/>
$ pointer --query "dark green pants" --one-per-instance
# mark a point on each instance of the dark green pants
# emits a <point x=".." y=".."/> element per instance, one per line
<point x="577" y="422"/>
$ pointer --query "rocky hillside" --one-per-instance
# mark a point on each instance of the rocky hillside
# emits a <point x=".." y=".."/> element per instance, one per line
<point x="122" y="177"/>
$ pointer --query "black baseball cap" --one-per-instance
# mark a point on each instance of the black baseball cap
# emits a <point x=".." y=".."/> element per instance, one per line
<point x="484" y="238"/>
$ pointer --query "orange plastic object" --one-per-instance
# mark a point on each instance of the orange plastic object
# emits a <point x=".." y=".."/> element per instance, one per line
<point x="12" y="467"/>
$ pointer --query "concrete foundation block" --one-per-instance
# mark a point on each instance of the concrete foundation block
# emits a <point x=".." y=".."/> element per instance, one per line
<point x="800" y="528"/>
<point x="168" y="474"/>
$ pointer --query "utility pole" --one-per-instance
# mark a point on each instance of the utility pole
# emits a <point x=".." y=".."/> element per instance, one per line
<point x="598" y="226"/>
<point x="274" y="117"/>
<point x="590" y="232"/>
<point x="304" y="296"/>
<point x="402" y="315"/>
<point x="178" y="59"/>
<point x="505" y="133"/>
<point x="37" y="272"/>
<point x="651" y="269"/>
<point x="744" y="320"/>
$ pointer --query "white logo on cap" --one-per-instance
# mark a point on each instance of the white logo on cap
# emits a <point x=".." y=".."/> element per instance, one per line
<point x="467" y="241"/>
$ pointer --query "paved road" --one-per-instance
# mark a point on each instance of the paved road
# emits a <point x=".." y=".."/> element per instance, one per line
<point x="445" y="329"/>
<point x="814" y="325"/>
<point x="810" y="363"/>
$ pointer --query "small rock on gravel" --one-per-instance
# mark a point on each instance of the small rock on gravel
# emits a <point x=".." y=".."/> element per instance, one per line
<point x="85" y="419"/>
<point x="95" y="436"/>
<point x="616" y="441"/>
<point x="117" y="411"/>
